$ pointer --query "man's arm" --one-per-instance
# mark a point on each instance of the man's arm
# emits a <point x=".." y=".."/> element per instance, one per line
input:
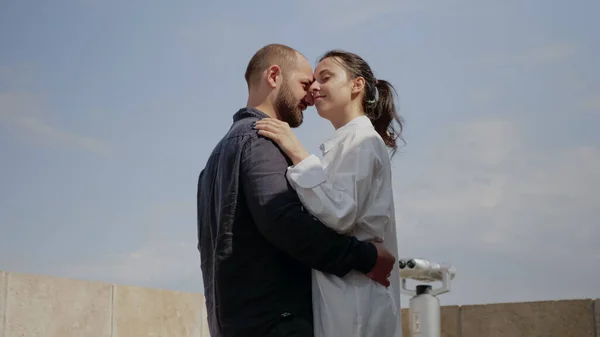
<point x="279" y="216"/>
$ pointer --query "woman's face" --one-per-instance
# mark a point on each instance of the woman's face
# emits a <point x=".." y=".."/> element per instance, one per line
<point x="332" y="89"/>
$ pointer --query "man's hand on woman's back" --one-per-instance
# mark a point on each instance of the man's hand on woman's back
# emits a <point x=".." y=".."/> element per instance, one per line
<point x="383" y="267"/>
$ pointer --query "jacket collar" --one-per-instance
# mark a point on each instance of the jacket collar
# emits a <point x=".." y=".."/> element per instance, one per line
<point x="248" y="112"/>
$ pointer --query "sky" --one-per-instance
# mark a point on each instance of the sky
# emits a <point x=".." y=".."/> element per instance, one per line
<point x="109" y="109"/>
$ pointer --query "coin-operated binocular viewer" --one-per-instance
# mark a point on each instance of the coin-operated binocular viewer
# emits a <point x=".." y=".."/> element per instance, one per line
<point x="424" y="310"/>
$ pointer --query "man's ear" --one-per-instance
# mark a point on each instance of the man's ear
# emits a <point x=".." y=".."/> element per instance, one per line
<point x="358" y="85"/>
<point x="273" y="73"/>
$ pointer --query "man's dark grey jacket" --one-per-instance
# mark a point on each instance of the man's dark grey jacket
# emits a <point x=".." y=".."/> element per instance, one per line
<point x="257" y="243"/>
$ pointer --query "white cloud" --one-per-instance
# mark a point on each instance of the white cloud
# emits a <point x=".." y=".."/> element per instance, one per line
<point x="16" y="76"/>
<point x="22" y="112"/>
<point x="593" y="103"/>
<point x="165" y="264"/>
<point x="166" y="257"/>
<point x="484" y="195"/>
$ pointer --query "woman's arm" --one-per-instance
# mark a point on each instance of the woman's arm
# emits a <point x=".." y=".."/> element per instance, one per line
<point x="337" y="200"/>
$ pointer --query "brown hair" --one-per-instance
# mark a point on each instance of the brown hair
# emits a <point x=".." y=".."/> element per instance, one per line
<point x="279" y="54"/>
<point x="378" y="100"/>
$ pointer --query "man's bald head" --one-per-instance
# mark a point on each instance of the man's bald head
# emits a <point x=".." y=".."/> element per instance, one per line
<point x="278" y="80"/>
<point x="273" y="54"/>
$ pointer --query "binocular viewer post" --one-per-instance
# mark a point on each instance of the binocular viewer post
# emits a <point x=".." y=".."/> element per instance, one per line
<point x="424" y="310"/>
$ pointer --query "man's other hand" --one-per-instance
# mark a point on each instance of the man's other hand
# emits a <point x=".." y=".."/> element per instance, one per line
<point x="383" y="266"/>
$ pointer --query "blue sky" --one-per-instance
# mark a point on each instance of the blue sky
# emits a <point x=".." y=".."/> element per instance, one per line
<point x="108" y="110"/>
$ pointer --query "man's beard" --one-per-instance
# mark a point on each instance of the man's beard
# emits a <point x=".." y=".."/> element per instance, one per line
<point x="287" y="108"/>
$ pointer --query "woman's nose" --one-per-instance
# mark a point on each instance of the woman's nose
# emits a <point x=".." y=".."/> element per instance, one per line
<point x="314" y="87"/>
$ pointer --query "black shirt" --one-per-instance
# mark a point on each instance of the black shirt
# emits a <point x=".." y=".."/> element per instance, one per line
<point x="257" y="243"/>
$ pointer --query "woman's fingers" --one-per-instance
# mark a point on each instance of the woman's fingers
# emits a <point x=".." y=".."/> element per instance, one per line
<point x="269" y="134"/>
<point x="267" y="122"/>
<point x="272" y="128"/>
<point x="268" y="130"/>
<point x="273" y="121"/>
<point x="267" y="127"/>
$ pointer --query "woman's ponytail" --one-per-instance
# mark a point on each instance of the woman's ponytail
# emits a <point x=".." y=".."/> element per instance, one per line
<point x="382" y="112"/>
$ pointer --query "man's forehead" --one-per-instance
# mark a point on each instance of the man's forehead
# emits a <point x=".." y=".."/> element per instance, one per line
<point x="301" y="75"/>
<point x="304" y="75"/>
<point x="303" y="70"/>
<point x="308" y="77"/>
<point x="303" y="64"/>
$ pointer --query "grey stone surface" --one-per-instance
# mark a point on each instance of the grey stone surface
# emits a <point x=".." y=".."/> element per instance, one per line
<point x="42" y="306"/>
<point x="153" y="312"/>
<point x="571" y="318"/>
<point x="597" y="316"/>
<point x="3" y="289"/>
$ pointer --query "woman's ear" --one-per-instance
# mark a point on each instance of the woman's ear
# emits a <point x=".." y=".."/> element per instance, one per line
<point x="358" y="84"/>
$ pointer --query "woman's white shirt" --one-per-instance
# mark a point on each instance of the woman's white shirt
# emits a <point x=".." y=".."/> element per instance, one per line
<point x="350" y="191"/>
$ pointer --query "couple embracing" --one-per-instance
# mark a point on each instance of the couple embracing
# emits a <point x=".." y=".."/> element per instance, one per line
<point x="292" y="244"/>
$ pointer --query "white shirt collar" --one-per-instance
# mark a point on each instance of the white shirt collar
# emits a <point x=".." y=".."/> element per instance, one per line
<point x="337" y="137"/>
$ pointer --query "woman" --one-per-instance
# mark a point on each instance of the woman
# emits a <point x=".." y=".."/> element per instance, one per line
<point x="349" y="190"/>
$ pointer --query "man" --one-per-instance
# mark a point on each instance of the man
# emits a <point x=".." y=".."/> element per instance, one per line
<point x="257" y="243"/>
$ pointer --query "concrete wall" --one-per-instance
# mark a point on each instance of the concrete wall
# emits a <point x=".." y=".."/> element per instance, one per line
<point x="42" y="306"/>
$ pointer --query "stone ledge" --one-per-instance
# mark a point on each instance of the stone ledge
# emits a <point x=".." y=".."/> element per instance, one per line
<point x="528" y="319"/>
<point x="3" y="291"/>
<point x="34" y="305"/>
<point x="56" y="307"/>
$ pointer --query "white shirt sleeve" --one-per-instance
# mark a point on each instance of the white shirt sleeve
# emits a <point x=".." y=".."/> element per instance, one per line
<point x="336" y="201"/>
